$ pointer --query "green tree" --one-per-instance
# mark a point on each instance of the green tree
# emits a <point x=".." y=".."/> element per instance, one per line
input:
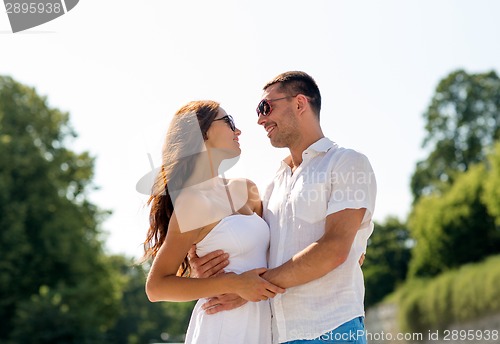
<point x="454" y="228"/>
<point x="387" y="259"/>
<point x="462" y="122"/>
<point x="56" y="284"/>
<point x="141" y="321"/>
<point x="492" y="185"/>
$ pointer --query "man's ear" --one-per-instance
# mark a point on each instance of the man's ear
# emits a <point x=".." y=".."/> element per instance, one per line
<point x="301" y="102"/>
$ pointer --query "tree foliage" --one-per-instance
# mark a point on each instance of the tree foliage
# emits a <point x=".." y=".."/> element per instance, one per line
<point x="491" y="195"/>
<point x="462" y="122"/>
<point x="454" y="228"/>
<point x="456" y="188"/>
<point x="56" y="284"/>
<point x="141" y="321"/>
<point x="386" y="261"/>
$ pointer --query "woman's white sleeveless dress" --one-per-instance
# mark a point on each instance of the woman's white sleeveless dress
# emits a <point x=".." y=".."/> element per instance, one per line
<point x="246" y="239"/>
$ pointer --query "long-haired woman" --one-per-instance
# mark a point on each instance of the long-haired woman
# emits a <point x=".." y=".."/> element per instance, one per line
<point x="192" y="204"/>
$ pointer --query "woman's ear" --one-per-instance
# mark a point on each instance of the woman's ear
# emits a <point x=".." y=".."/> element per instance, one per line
<point x="206" y="144"/>
<point x="205" y="136"/>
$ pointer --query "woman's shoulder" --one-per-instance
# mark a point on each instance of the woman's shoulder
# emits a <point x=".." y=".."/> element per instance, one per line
<point x="190" y="197"/>
<point x="194" y="210"/>
<point x="243" y="184"/>
<point x="250" y="191"/>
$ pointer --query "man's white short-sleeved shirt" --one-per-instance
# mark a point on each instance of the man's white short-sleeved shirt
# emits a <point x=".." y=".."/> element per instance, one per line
<point x="329" y="179"/>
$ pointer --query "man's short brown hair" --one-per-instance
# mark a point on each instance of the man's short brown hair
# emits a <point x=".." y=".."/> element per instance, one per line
<point x="296" y="82"/>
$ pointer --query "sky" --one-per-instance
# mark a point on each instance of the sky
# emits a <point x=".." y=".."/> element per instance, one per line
<point x="121" y="68"/>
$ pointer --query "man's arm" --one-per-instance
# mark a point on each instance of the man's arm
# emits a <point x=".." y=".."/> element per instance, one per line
<point x="313" y="262"/>
<point x="322" y="256"/>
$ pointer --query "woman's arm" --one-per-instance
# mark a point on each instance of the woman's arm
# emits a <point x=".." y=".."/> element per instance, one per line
<point x="163" y="285"/>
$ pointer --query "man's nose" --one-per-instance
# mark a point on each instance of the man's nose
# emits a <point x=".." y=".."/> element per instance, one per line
<point x="262" y="119"/>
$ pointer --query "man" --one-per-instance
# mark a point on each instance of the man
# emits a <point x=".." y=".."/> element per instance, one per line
<point x="319" y="208"/>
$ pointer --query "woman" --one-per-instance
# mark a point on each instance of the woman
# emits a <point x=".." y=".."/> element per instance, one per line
<point x="190" y="205"/>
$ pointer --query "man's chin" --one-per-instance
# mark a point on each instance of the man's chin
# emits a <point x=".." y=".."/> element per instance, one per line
<point x="278" y="144"/>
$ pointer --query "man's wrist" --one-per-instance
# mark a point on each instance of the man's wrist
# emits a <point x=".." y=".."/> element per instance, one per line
<point x="270" y="276"/>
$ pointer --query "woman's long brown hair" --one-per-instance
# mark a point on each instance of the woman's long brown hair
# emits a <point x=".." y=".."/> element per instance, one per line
<point x="183" y="144"/>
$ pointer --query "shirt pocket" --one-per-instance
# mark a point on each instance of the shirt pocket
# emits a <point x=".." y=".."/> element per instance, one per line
<point x="311" y="202"/>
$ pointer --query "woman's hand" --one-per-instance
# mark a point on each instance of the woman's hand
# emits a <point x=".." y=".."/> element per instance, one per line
<point x="252" y="287"/>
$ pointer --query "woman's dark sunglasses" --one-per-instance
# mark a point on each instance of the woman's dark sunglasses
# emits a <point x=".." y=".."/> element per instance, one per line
<point x="264" y="108"/>
<point x="229" y="120"/>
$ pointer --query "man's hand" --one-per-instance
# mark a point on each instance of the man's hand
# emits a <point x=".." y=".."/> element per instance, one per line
<point x="212" y="264"/>
<point x="224" y="302"/>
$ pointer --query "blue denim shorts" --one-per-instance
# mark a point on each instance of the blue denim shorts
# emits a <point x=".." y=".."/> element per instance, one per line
<point x="351" y="332"/>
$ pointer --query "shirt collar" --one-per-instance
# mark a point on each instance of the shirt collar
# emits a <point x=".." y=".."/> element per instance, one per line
<point x="323" y="145"/>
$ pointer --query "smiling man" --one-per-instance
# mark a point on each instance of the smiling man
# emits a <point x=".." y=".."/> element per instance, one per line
<point x="319" y="209"/>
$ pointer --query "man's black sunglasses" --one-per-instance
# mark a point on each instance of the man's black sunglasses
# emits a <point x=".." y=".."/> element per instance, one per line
<point x="264" y="108"/>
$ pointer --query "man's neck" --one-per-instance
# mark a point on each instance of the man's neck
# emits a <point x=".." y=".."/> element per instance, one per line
<point x="299" y="148"/>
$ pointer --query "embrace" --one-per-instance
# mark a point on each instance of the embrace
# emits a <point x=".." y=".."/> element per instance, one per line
<point x="284" y="268"/>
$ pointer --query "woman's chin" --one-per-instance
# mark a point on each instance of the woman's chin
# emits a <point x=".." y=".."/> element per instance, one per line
<point x="226" y="164"/>
<point x="228" y="153"/>
<point x="233" y="154"/>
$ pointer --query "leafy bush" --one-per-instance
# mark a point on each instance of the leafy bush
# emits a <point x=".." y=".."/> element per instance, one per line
<point x="454" y="296"/>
